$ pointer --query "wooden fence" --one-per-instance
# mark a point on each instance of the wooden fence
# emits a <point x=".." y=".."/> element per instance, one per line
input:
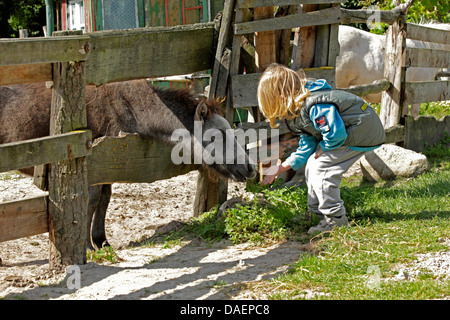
<point x="397" y="94"/>
<point x="399" y="57"/>
<point x="72" y="62"/>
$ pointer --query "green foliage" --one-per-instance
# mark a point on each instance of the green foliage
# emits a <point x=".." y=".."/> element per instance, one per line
<point x="430" y="10"/>
<point x="420" y="12"/>
<point x="281" y="217"/>
<point x="439" y="153"/>
<point x="105" y="254"/>
<point x="24" y="14"/>
<point x="437" y="109"/>
<point x="253" y="224"/>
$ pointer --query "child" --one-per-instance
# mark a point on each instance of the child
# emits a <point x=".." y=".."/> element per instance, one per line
<point x="335" y="128"/>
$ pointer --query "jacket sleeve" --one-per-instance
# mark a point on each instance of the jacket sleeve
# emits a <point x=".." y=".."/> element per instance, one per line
<point x="306" y="146"/>
<point x="327" y="120"/>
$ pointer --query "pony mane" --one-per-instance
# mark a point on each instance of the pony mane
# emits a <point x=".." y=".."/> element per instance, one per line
<point x="186" y="96"/>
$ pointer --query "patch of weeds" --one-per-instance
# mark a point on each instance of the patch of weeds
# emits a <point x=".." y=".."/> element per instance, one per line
<point x="219" y="283"/>
<point x="255" y="224"/>
<point x="280" y="217"/>
<point x="439" y="153"/>
<point x="105" y="254"/>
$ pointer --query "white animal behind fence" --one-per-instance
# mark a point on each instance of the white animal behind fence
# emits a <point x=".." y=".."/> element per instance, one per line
<point x="361" y="60"/>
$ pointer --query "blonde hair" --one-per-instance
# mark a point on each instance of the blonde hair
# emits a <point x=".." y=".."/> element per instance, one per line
<point x="281" y="92"/>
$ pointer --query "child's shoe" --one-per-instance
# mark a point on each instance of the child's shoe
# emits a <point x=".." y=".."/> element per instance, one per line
<point x="328" y="224"/>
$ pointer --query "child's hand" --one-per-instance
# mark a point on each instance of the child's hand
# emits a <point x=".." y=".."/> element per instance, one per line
<point x="270" y="175"/>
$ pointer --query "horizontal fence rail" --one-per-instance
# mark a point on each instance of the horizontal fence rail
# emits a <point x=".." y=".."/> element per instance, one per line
<point x="131" y="158"/>
<point x="271" y="3"/>
<point x="23" y="218"/>
<point x="426" y="91"/>
<point x="245" y="85"/>
<point x="321" y="17"/>
<point x="362" y="16"/>
<point x="426" y="58"/>
<point x="424" y="33"/>
<point x="29" y="153"/>
<point x="113" y="55"/>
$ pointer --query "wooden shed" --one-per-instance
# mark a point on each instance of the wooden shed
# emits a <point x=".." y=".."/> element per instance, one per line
<point x="97" y="15"/>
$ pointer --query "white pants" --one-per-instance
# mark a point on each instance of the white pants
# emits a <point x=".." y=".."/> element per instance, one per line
<point x="323" y="178"/>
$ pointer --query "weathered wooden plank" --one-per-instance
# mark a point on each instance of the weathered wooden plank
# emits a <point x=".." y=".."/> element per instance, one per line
<point x="271" y="3"/>
<point x="44" y="50"/>
<point x="28" y="153"/>
<point x="25" y="73"/>
<point x="234" y="65"/>
<point x="322" y="43"/>
<point x="263" y="130"/>
<point x="119" y="55"/>
<point x="221" y="64"/>
<point x="130" y="158"/>
<point x="425" y="131"/>
<point x="428" y="58"/>
<point x="245" y="85"/>
<point x="392" y="99"/>
<point x="271" y="152"/>
<point x="265" y="49"/>
<point x="395" y="134"/>
<point x="366" y="89"/>
<point x="304" y="45"/>
<point x="334" y="47"/>
<point x="419" y="32"/>
<point x="426" y="91"/>
<point x="23" y="218"/>
<point x="362" y="16"/>
<point x="314" y="18"/>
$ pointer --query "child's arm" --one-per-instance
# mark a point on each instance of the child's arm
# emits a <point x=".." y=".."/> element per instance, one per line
<point x="327" y="120"/>
<point x="273" y="172"/>
<point x="297" y="159"/>
<point x="306" y="146"/>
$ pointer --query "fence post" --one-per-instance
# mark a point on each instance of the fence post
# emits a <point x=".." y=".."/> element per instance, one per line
<point x="392" y="99"/>
<point x="68" y="180"/>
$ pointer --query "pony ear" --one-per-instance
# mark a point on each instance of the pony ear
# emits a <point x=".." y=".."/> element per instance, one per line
<point x="201" y="111"/>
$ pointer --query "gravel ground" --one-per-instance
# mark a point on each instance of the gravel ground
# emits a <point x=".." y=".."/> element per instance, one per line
<point x="191" y="270"/>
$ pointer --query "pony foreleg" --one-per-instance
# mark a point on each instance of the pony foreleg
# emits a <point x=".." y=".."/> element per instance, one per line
<point x="97" y="232"/>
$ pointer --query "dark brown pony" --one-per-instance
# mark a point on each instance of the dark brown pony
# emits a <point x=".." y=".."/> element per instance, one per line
<point x="131" y="106"/>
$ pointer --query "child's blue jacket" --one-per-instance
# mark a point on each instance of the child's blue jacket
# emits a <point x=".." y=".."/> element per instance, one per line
<point x="333" y="134"/>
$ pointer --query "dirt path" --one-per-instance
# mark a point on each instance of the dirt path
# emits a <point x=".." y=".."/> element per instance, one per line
<point x="187" y="270"/>
<point x="190" y="270"/>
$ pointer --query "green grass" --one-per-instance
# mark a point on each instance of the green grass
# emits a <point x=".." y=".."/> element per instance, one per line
<point x="438" y="109"/>
<point x="256" y="224"/>
<point x="391" y="222"/>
